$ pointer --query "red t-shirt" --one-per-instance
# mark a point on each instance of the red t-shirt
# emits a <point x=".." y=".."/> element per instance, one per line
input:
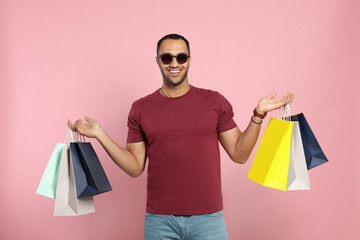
<point x="184" y="176"/>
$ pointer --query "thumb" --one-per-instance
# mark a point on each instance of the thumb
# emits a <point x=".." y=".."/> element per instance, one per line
<point x="272" y="95"/>
<point x="88" y="119"/>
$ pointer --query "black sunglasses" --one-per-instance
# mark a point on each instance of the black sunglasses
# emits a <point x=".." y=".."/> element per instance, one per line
<point x="167" y="58"/>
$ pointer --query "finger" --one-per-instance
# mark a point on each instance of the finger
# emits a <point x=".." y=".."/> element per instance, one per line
<point x="292" y="97"/>
<point x="69" y="123"/>
<point x="272" y="95"/>
<point x="287" y="98"/>
<point x="79" y="129"/>
<point x="73" y="127"/>
<point x="79" y="126"/>
<point x="279" y="104"/>
<point x="88" y="119"/>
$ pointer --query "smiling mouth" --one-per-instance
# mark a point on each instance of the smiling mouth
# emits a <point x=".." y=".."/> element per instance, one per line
<point x="174" y="72"/>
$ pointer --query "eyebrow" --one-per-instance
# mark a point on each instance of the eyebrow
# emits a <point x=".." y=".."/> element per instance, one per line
<point x="173" y="54"/>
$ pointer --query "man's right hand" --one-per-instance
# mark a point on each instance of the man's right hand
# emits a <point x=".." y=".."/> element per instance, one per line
<point x="90" y="128"/>
<point x="132" y="159"/>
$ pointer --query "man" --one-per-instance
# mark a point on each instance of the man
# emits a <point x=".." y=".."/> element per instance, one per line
<point x="177" y="128"/>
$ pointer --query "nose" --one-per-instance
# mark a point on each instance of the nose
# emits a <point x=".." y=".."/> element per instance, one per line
<point x="174" y="62"/>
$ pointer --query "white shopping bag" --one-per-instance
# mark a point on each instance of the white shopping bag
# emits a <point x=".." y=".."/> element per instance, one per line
<point x="298" y="178"/>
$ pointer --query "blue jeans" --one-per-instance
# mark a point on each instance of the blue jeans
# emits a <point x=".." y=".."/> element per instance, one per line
<point x="185" y="227"/>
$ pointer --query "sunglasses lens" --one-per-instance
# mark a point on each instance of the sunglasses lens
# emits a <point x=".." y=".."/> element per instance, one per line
<point x="181" y="58"/>
<point x="166" y="58"/>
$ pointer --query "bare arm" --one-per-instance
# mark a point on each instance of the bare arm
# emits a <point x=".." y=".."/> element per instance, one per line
<point x="131" y="160"/>
<point x="239" y="145"/>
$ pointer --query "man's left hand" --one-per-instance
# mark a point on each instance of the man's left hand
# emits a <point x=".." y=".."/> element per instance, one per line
<point x="268" y="103"/>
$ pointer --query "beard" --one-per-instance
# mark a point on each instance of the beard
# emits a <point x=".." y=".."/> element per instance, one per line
<point x="170" y="82"/>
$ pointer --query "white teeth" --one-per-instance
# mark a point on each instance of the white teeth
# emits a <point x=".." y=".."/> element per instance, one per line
<point x="175" y="71"/>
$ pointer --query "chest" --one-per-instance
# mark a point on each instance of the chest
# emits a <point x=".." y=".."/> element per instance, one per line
<point x="179" y="121"/>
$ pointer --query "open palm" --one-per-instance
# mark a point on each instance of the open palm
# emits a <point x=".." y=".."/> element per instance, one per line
<point x="268" y="103"/>
<point x="90" y="128"/>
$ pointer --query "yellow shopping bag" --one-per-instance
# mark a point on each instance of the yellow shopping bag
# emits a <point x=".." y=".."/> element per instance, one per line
<point x="271" y="163"/>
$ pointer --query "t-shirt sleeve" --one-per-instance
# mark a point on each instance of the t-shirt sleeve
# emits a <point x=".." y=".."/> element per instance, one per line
<point x="226" y="114"/>
<point x="135" y="132"/>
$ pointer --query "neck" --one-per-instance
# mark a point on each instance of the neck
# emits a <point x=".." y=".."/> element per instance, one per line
<point x="175" y="91"/>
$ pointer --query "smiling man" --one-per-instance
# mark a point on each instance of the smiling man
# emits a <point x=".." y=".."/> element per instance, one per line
<point x="174" y="72"/>
<point x="178" y="128"/>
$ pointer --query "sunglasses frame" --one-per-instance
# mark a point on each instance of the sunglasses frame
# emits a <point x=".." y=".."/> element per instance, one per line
<point x="174" y="56"/>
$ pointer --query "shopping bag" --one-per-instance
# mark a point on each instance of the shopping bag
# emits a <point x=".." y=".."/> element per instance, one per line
<point x="94" y="171"/>
<point x="66" y="201"/>
<point x="47" y="186"/>
<point x="271" y="162"/>
<point x="313" y="152"/>
<point x="90" y="177"/>
<point x="298" y="177"/>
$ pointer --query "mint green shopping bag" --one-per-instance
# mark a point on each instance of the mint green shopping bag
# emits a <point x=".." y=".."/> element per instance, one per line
<point x="47" y="186"/>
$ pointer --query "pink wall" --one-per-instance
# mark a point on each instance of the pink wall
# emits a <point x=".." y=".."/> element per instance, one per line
<point x="68" y="59"/>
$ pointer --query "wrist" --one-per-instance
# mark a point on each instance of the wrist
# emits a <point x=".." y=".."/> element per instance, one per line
<point x="259" y="113"/>
<point x="256" y="119"/>
<point x="101" y="134"/>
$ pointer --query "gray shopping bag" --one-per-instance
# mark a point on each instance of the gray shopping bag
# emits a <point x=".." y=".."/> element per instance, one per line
<point x="66" y="201"/>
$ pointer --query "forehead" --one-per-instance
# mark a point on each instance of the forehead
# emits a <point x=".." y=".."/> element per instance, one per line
<point x="173" y="46"/>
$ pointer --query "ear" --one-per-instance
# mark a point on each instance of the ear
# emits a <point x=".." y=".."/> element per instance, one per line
<point x="189" y="60"/>
<point x="157" y="61"/>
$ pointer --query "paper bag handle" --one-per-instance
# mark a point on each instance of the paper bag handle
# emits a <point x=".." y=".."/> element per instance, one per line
<point x="73" y="138"/>
<point x="285" y="113"/>
<point x="69" y="131"/>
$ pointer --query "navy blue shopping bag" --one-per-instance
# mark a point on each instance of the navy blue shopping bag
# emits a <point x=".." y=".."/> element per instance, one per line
<point x="313" y="152"/>
<point x="90" y="177"/>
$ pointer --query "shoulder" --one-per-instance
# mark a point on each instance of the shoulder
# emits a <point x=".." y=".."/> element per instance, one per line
<point x="214" y="95"/>
<point x="209" y="93"/>
<point x="217" y="98"/>
<point x="144" y="101"/>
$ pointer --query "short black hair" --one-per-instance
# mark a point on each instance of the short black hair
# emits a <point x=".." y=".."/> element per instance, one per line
<point x="172" y="36"/>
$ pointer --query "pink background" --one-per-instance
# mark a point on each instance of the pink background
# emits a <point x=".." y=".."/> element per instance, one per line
<point x="68" y="59"/>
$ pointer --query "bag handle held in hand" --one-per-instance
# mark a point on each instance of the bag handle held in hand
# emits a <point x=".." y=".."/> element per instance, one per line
<point x="285" y="113"/>
<point x="74" y="136"/>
